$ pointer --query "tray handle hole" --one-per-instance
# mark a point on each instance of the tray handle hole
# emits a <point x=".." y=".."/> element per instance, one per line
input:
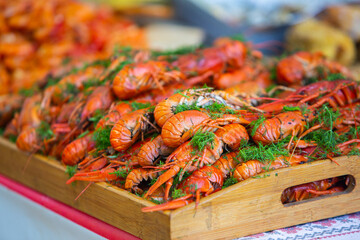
<point x="312" y="191"/>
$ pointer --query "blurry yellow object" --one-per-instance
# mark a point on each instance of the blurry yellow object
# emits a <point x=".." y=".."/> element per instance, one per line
<point x="121" y="4"/>
<point x="344" y="17"/>
<point x="313" y="36"/>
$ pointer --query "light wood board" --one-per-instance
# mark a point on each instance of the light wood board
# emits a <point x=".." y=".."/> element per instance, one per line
<point x="249" y="207"/>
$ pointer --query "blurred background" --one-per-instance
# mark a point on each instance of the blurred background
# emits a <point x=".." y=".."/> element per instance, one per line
<point x="38" y="38"/>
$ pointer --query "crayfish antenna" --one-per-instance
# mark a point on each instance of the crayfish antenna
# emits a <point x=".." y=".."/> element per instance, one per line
<point x="83" y="190"/>
<point x="29" y="157"/>
<point x="325" y="192"/>
<point x="103" y="175"/>
<point x="332" y="159"/>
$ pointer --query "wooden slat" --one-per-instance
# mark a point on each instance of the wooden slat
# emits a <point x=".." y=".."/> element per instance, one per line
<point x="103" y="201"/>
<point x="254" y="206"/>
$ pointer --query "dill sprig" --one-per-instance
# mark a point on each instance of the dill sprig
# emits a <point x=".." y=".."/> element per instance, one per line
<point x="71" y="89"/>
<point x="335" y="76"/>
<point x="327" y="116"/>
<point x="263" y="153"/>
<point x="354" y="152"/>
<point x="44" y="131"/>
<point x="177" y="193"/>
<point x="172" y="55"/>
<point x="28" y="92"/>
<point x="102" y="138"/>
<point x="83" y="134"/>
<point x="184" y="107"/>
<point x="121" y="173"/>
<point x="229" y="181"/>
<point x="157" y="201"/>
<point x="71" y="170"/>
<point x="291" y="109"/>
<point x="96" y="116"/>
<point x="200" y="140"/>
<point x="256" y="124"/>
<point x="138" y="105"/>
<point x="325" y="139"/>
<point x="12" y="138"/>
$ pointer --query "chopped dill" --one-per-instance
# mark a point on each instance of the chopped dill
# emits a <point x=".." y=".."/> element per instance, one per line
<point x="153" y="181"/>
<point x="51" y="81"/>
<point x="184" y="95"/>
<point x="96" y="116"/>
<point x="156" y="201"/>
<point x="229" y="181"/>
<point x="305" y="110"/>
<point x="83" y="134"/>
<point x="71" y="89"/>
<point x="215" y="107"/>
<point x="12" y="138"/>
<point x="200" y="140"/>
<point x="102" y="138"/>
<point x="176" y="178"/>
<point x="178" y="51"/>
<point x="44" y="131"/>
<point x="138" y="105"/>
<point x="28" y="92"/>
<point x="291" y="109"/>
<point x="327" y="116"/>
<point x="71" y="170"/>
<point x="66" y="61"/>
<point x="91" y="82"/>
<point x="184" y="107"/>
<point x="122" y="51"/>
<point x="354" y="152"/>
<point x="177" y="193"/>
<point x="273" y="77"/>
<point x="261" y="176"/>
<point x="263" y="153"/>
<point x="335" y="76"/>
<point x="256" y="124"/>
<point x="121" y="173"/>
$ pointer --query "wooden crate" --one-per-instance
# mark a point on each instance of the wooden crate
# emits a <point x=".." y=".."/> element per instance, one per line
<point x="249" y="207"/>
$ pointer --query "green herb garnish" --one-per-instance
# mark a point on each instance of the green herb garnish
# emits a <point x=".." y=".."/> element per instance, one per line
<point x="44" y="131"/>
<point x="256" y="124"/>
<point x="138" y="105"/>
<point x="291" y="109"/>
<point x="71" y="170"/>
<point x="102" y="138"/>
<point x="263" y="153"/>
<point x="177" y="193"/>
<point x="230" y="181"/>
<point x="200" y="140"/>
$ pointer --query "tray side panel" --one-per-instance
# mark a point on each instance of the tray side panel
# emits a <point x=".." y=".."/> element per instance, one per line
<point x="254" y="206"/>
<point x="101" y="200"/>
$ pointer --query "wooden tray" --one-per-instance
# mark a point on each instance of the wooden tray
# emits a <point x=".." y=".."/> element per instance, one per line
<point x="249" y="207"/>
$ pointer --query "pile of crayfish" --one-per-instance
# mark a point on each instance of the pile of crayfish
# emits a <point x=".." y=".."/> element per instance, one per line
<point x="42" y="37"/>
<point x="173" y="127"/>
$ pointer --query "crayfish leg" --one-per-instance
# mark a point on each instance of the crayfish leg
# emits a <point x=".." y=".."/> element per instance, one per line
<point x="162" y="179"/>
<point x="169" y="183"/>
